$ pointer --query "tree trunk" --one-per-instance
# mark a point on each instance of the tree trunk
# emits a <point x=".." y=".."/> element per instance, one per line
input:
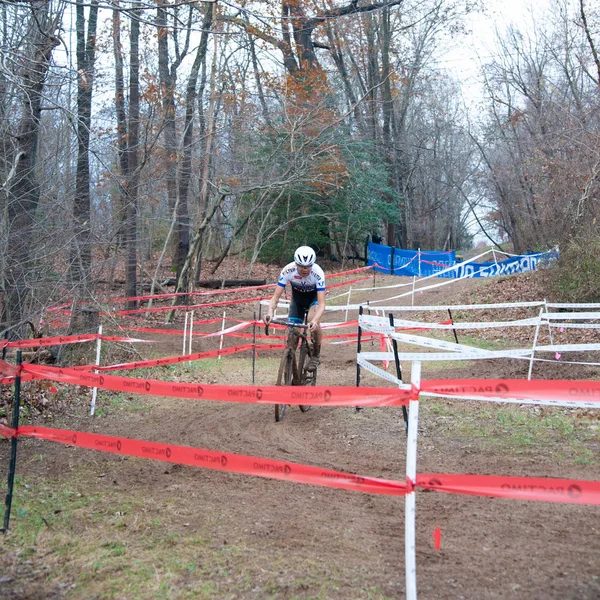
<point x="81" y="249"/>
<point x="121" y="126"/>
<point x="133" y="157"/>
<point x="24" y="192"/>
<point x="168" y="83"/>
<point x="185" y="172"/>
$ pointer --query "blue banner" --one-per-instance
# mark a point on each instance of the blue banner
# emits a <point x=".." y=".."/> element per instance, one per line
<point x="409" y="262"/>
<point x="510" y="266"/>
<point x="413" y="263"/>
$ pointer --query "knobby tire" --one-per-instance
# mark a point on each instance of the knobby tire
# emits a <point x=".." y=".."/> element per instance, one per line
<point x="304" y="359"/>
<point x="284" y="377"/>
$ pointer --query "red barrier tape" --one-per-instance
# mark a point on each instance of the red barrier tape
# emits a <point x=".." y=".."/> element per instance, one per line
<point x="179" y="359"/>
<point x="59" y="307"/>
<point x="260" y="336"/>
<point x="24" y="377"/>
<point x="156" y="362"/>
<point x="181" y="294"/>
<point x="215" y="292"/>
<point x="64" y="308"/>
<point x="178" y="332"/>
<point x="260" y="324"/>
<point x="185" y="306"/>
<point x="521" y="488"/>
<point x="8" y="369"/>
<point x="220" y="461"/>
<point x="7" y="432"/>
<point x="559" y="390"/>
<point x="69" y="339"/>
<point x="358" y="270"/>
<point x="317" y="395"/>
<point x="342" y="283"/>
<point x="231" y="290"/>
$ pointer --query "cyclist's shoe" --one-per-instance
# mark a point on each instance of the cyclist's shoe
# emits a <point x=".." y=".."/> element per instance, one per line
<point x="313" y="364"/>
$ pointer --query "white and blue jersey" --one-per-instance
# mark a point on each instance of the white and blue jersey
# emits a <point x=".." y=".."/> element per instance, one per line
<point x="313" y="282"/>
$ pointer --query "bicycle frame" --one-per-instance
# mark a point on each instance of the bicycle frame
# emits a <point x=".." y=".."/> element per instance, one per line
<point x="292" y="371"/>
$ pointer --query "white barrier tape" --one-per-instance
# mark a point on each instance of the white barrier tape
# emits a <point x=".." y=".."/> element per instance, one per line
<point x="573" y="325"/>
<point x="340" y="325"/>
<point x="567" y="362"/>
<point x="568" y="348"/>
<point x="481" y="325"/>
<point x="330" y="298"/>
<point x="375" y="324"/>
<point x="231" y="329"/>
<point x="376" y="370"/>
<point x="562" y="403"/>
<point x="413" y="292"/>
<point x="426" y="342"/>
<point x="378" y="355"/>
<point x="444" y="307"/>
<point x="575" y="316"/>
<point x="433" y="356"/>
<point x="573" y="305"/>
<point x="436" y="356"/>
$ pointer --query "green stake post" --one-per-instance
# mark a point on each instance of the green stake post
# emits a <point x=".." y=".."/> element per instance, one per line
<point x="253" y="347"/>
<point x="398" y="372"/>
<point x="13" y="445"/>
<point x="455" y="336"/>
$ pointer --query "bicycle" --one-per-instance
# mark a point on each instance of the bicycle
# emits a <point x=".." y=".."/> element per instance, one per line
<point x="292" y="371"/>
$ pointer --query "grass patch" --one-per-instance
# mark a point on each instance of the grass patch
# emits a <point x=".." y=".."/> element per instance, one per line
<point x="96" y="541"/>
<point x="566" y="435"/>
<point x="208" y="367"/>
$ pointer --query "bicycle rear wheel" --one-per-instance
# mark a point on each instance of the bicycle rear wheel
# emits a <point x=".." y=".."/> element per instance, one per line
<point x="284" y="377"/>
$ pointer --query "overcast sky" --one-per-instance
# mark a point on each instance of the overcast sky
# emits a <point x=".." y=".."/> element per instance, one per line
<point x="463" y="60"/>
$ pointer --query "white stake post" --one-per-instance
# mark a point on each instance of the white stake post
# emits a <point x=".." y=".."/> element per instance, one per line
<point x="184" y="332"/>
<point x="413" y="290"/>
<point x="191" y="331"/>
<point x="419" y="255"/>
<point x="348" y="303"/>
<point x="410" y="550"/>
<point x="550" y="336"/>
<point x="222" y="336"/>
<point x="535" y="337"/>
<point x="95" y="390"/>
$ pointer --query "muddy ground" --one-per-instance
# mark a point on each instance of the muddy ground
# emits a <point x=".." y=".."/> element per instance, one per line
<point x="115" y="527"/>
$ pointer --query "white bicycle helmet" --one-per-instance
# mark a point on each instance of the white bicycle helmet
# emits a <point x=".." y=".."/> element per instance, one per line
<point x="305" y="256"/>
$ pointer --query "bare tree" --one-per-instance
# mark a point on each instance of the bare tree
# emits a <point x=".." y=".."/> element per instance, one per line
<point x="41" y="21"/>
<point x="81" y="250"/>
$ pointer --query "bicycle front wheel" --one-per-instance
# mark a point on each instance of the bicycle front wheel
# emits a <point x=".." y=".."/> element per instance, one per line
<point x="306" y="378"/>
<point x="284" y="377"/>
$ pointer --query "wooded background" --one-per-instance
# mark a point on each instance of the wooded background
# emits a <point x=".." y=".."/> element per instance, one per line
<point x="159" y="133"/>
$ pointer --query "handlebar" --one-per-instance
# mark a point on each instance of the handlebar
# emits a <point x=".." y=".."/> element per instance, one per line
<point x="285" y="324"/>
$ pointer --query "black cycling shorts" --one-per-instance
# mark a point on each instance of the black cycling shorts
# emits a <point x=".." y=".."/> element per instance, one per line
<point x="301" y="303"/>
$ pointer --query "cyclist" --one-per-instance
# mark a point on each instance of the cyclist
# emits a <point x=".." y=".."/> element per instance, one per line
<point x="307" y="281"/>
